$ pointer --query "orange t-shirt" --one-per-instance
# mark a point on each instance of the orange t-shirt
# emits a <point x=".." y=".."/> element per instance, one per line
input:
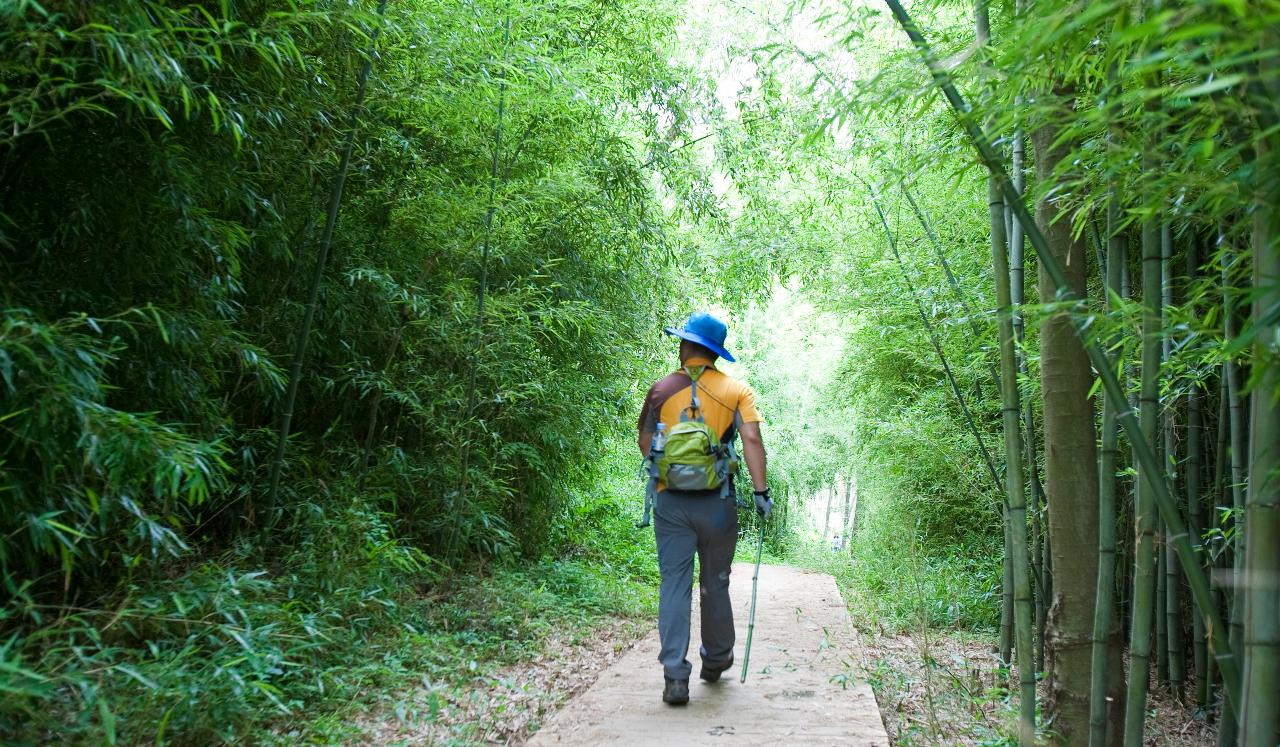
<point x="726" y="402"/>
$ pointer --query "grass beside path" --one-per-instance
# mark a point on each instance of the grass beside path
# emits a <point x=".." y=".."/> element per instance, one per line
<point x="931" y="662"/>
<point x="484" y="659"/>
<point x="221" y="656"/>
<point x="926" y="652"/>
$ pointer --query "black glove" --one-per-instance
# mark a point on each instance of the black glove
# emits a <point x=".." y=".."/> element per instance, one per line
<point x="764" y="504"/>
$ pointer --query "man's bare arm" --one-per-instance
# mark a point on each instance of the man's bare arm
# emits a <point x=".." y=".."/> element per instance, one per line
<point x="646" y="441"/>
<point x="753" y="452"/>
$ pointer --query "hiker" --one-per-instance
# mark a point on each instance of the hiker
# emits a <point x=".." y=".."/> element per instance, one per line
<point x="702" y="514"/>
<point x="836" y="544"/>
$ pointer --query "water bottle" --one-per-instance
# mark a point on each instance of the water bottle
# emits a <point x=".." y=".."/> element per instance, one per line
<point x="659" y="441"/>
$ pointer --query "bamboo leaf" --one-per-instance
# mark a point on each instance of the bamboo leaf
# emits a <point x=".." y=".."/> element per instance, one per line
<point x="1212" y="85"/>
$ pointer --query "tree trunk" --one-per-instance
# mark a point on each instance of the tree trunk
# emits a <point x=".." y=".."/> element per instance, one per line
<point x="1070" y="469"/>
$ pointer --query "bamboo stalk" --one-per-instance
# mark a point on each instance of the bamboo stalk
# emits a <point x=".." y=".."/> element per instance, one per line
<point x="1017" y="278"/>
<point x="1104" y="604"/>
<point x="1229" y="726"/>
<point x="1140" y="626"/>
<point x="1260" y="715"/>
<point x="933" y="337"/>
<point x="317" y="278"/>
<point x="848" y="504"/>
<point x="1160" y="648"/>
<point x="1017" y="273"/>
<point x="1173" y="651"/>
<point x="826" y="524"/>
<point x="1195" y="522"/>
<point x="1098" y="357"/>
<point x="1044" y="582"/>
<point x="473" y="363"/>
<point x="1005" y="644"/>
<point x="1022" y="603"/>
<point x="1012" y="412"/>
<point x="1221" y="497"/>
<point x="1006" y="588"/>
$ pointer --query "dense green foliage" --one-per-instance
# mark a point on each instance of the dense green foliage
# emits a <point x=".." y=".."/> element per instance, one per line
<point x="840" y="354"/>
<point x="532" y="192"/>
<point x="165" y="174"/>
<point x="1151" y="127"/>
<point x="189" y="228"/>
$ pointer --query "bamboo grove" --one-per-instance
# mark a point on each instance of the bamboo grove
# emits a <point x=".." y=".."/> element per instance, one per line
<point x="1105" y="146"/>
<point x="311" y="306"/>
<point x="350" y="291"/>
<point x="1130" y="152"/>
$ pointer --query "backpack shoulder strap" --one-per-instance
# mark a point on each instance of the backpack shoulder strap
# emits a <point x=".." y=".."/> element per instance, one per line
<point x="695" y="406"/>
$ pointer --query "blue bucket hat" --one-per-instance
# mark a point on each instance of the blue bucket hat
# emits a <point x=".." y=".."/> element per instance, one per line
<point x="707" y="331"/>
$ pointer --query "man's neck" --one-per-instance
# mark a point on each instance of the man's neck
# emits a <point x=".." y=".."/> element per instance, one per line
<point x="697" y="360"/>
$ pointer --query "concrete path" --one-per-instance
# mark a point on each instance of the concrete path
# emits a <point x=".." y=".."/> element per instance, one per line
<point x="800" y="690"/>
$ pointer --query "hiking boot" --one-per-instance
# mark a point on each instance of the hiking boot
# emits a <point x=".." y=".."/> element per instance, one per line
<point x="676" y="692"/>
<point x="712" y="674"/>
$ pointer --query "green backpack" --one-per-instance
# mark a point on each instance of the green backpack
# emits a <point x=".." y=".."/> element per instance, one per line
<point x="693" y="457"/>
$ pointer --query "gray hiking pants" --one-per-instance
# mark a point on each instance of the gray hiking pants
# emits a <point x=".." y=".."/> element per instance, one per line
<point x="683" y="525"/>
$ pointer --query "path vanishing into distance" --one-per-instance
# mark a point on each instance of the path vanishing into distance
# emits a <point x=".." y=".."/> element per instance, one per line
<point x="801" y="688"/>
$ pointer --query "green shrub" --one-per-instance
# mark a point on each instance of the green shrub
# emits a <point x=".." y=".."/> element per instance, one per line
<point x="243" y="646"/>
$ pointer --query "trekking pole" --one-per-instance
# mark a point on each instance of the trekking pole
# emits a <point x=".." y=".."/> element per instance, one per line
<point x="751" y="621"/>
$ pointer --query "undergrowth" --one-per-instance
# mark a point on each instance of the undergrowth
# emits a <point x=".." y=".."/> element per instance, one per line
<point x="253" y="647"/>
<point x="888" y="583"/>
<point x="928" y="621"/>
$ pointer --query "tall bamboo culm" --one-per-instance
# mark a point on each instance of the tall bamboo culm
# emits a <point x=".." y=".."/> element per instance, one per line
<point x="458" y="497"/>
<point x="317" y="278"/>
<point x="1221" y="497"/>
<point x="1104" y="609"/>
<point x="1144" y="581"/>
<point x="1160" y="648"/>
<point x="1005" y="644"/>
<point x="1022" y="603"/>
<point x="1173" y="651"/>
<point x="1017" y="288"/>
<point x="1228" y="723"/>
<point x="1143" y="454"/>
<point x="1260" y="712"/>
<point x="1012" y="414"/>
<point x="1195" y="521"/>
<point x="1145" y="515"/>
